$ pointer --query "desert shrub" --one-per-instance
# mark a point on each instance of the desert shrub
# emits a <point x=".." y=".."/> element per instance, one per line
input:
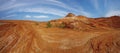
<point x="49" y="25"/>
<point x="36" y="23"/>
<point x="62" y="25"/>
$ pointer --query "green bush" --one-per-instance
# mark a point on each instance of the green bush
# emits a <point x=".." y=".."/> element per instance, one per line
<point x="62" y="25"/>
<point x="49" y="25"/>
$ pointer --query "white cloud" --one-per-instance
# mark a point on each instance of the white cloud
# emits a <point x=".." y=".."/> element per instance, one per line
<point x="42" y="9"/>
<point x="86" y="14"/>
<point x="16" y="4"/>
<point x="59" y="4"/>
<point x="12" y="6"/>
<point x="6" y="3"/>
<point x="42" y="16"/>
<point x="27" y="16"/>
<point x="95" y="3"/>
<point x="112" y="13"/>
<point x="112" y="7"/>
<point x="105" y="3"/>
<point x="11" y="15"/>
<point x="45" y="11"/>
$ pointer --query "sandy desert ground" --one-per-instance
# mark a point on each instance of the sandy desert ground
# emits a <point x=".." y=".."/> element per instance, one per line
<point x="87" y="35"/>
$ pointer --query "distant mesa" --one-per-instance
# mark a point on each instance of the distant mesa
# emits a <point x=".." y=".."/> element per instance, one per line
<point x="70" y="15"/>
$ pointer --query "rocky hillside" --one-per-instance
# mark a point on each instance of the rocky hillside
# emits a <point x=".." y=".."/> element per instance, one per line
<point x="71" y="34"/>
<point x="85" y="23"/>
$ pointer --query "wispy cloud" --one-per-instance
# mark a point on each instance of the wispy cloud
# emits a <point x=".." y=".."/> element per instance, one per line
<point x="45" y="11"/>
<point x="8" y="16"/>
<point x="95" y="4"/>
<point x="85" y="13"/>
<point x="63" y="5"/>
<point x="105" y="3"/>
<point x="112" y="13"/>
<point x="112" y="8"/>
<point x="34" y="16"/>
<point x="15" y="3"/>
<point x="6" y="3"/>
<point x="12" y="6"/>
<point x="28" y="16"/>
<point x="11" y="15"/>
<point x="42" y="16"/>
<point x="58" y="8"/>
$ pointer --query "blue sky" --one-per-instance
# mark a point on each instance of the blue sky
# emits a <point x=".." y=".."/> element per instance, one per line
<point x="44" y="10"/>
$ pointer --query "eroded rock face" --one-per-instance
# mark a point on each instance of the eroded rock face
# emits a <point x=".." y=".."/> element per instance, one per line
<point x="106" y="43"/>
<point x="84" y="23"/>
<point x="112" y="22"/>
<point x="115" y="21"/>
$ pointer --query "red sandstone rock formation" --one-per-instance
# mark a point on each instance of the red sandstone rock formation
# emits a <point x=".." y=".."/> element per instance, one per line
<point x="99" y="35"/>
